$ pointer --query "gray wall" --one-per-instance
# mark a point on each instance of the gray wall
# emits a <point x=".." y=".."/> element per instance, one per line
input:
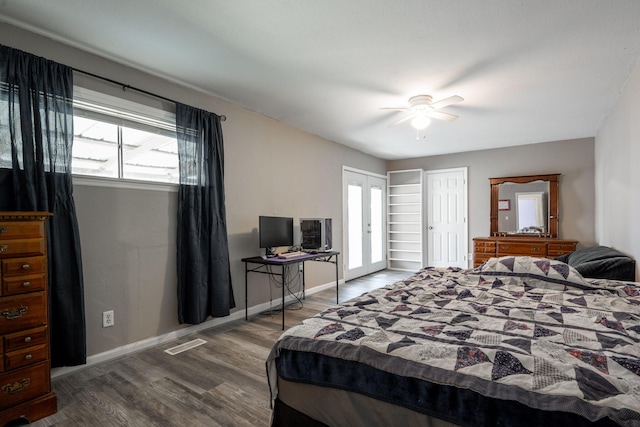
<point x="574" y="159"/>
<point x="128" y="234"/>
<point x="617" y="150"/>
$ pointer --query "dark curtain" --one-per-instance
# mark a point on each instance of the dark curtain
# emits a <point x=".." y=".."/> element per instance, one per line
<point x="36" y="136"/>
<point x="204" y="276"/>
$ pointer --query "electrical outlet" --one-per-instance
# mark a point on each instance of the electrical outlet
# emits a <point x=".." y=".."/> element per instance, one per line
<point x="300" y="267"/>
<point x="107" y="319"/>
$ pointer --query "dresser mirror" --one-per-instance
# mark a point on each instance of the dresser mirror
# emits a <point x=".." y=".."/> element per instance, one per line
<point x="525" y="206"/>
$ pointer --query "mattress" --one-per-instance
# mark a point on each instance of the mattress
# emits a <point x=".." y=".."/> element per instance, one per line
<point x="517" y="341"/>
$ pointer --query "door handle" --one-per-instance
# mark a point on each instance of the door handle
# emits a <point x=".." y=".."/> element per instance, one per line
<point x="431" y="227"/>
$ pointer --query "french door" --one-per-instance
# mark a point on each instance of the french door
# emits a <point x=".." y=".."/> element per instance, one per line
<point x="364" y="202"/>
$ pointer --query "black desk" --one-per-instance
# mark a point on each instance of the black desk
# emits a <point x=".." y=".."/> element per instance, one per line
<point x="264" y="266"/>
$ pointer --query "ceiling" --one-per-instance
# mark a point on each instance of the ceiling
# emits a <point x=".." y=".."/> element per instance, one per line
<point x="529" y="71"/>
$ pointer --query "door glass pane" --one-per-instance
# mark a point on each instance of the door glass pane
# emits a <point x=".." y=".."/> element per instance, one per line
<point x="376" y="224"/>
<point x="354" y="199"/>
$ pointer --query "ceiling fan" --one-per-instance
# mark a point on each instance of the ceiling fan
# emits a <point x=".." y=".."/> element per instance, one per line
<point x="422" y="109"/>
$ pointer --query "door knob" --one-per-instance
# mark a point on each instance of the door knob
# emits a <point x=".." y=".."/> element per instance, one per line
<point x="430" y="227"/>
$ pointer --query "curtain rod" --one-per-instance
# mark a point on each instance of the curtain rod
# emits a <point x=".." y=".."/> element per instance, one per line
<point x="126" y="86"/>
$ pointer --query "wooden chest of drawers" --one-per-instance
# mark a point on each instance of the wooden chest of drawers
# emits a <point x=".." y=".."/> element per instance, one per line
<point x="488" y="247"/>
<point x="25" y="379"/>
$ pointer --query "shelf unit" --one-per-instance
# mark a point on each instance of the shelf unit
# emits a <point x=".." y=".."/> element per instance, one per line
<point x="404" y="220"/>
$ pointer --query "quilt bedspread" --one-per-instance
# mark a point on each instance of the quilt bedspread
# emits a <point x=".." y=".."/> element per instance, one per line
<point x="559" y="345"/>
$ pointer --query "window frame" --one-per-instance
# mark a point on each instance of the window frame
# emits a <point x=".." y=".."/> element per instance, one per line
<point x="122" y="113"/>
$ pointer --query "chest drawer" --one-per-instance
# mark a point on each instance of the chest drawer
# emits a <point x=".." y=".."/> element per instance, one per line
<point x="26" y="356"/>
<point x="9" y="248"/>
<point x="23" y="266"/>
<point x="23" y="384"/>
<point x="23" y="284"/>
<point x="22" y="312"/>
<point x="20" y="230"/>
<point x="512" y="248"/>
<point x="24" y="339"/>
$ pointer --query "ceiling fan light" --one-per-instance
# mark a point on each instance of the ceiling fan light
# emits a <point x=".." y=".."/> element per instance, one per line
<point x="420" y="121"/>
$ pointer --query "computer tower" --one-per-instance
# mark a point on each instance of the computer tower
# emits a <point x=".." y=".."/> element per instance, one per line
<point x="315" y="234"/>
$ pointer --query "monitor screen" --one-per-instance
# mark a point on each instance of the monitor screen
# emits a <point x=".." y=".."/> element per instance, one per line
<point x="275" y="231"/>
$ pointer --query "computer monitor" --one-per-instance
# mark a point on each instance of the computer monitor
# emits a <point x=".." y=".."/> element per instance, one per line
<point x="275" y="231"/>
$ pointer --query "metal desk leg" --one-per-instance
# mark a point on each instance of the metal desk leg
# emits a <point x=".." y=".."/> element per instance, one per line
<point x="284" y="285"/>
<point x="246" y="296"/>
<point x="337" y="302"/>
<point x="303" y="283"/>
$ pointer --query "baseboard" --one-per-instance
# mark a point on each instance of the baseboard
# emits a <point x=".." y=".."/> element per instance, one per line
<point x="174" y="335"/>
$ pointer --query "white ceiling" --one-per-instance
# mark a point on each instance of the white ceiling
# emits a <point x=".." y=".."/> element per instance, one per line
<point x="529" y="71"/>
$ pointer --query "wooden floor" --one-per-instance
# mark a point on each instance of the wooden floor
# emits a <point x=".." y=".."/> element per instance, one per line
<point x="220" y="383"/>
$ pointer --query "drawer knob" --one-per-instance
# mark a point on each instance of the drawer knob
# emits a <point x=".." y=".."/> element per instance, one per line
<point x="15" y="313"/>
<point x="27" y="339"/>
<point x="506" y="248"/>
<point x="16" y="387"/>
<point x="26" y="284"/>
<point x="3" y="230"/>
<point x="3" y="248"/>
<point x="26" y="266"/>
<point x="536" y="249"/>
<point x="28" y="357"/>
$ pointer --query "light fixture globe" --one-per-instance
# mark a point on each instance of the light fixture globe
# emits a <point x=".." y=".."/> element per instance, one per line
<point x="420" y="121"/>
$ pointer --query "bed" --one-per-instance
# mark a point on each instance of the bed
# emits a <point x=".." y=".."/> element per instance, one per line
<point x="516" y="341"/>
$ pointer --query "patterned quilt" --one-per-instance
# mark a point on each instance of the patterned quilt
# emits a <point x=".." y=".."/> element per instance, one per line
<point x="520" y="329"/>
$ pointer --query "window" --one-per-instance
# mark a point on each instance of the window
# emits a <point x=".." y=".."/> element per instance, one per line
<point x="116" y="138"/>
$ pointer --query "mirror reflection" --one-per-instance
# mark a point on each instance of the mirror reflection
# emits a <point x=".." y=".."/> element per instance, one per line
<point x="523" y="208"/>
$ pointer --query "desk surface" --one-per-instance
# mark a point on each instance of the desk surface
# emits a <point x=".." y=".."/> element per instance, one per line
<point x="284" y="261"/>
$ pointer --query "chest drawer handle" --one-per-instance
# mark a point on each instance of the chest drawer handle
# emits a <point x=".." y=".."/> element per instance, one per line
<point x="3" y="230"/>
<point x="28" y="357"/>
<point x="15" y="313"/>
<point x="506" y="248"/>
<point x="26" y="284"/>
<point x="27" y="339"/>
<point x="26" y="266"/>
<point x="536" y="249"/>
<point x="16" y="387"/>
<point x="3" y="248"/>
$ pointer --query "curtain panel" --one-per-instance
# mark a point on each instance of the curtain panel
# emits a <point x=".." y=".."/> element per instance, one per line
<point x="36" y="137"/>
<point x="204" y="276"/>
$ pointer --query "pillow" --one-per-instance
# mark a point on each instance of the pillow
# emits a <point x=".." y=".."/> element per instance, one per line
<point x="536" y="272"/>
<point x="601" y="262"/>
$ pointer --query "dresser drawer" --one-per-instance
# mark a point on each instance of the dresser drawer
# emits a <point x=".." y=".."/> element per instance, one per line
<point x="20" y="230"/>
<point x="557" y="249"/>
<point x="485" y="247"/>
<point x="22" y="312"/>
<point x="23" y="266"/>
<point x="532" y="249"/>
<point x="24" y="339"/>
<point x="23" y="384"/>
<point x="26" y="356"/>
<point x="23" y="284"/>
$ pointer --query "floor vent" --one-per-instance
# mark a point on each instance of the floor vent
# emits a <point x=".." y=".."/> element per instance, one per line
<point x="184" y="347"/>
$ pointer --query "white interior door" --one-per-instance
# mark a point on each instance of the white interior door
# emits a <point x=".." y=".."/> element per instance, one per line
<point x="447" y="229"/>
<point x="364" y="223"/>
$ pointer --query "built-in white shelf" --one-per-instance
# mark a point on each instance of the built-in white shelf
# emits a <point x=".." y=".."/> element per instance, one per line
<point x="405" y="220"/>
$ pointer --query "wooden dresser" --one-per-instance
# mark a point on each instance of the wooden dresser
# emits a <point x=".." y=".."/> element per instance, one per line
<point x="25" y="378"/>
<point x="488" y="247"/>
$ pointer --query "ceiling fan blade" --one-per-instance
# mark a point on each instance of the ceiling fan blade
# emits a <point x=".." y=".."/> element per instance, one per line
<point x="441" y="116"/>
<point x="402" y="120"/>
<point x="447" y="101"/>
